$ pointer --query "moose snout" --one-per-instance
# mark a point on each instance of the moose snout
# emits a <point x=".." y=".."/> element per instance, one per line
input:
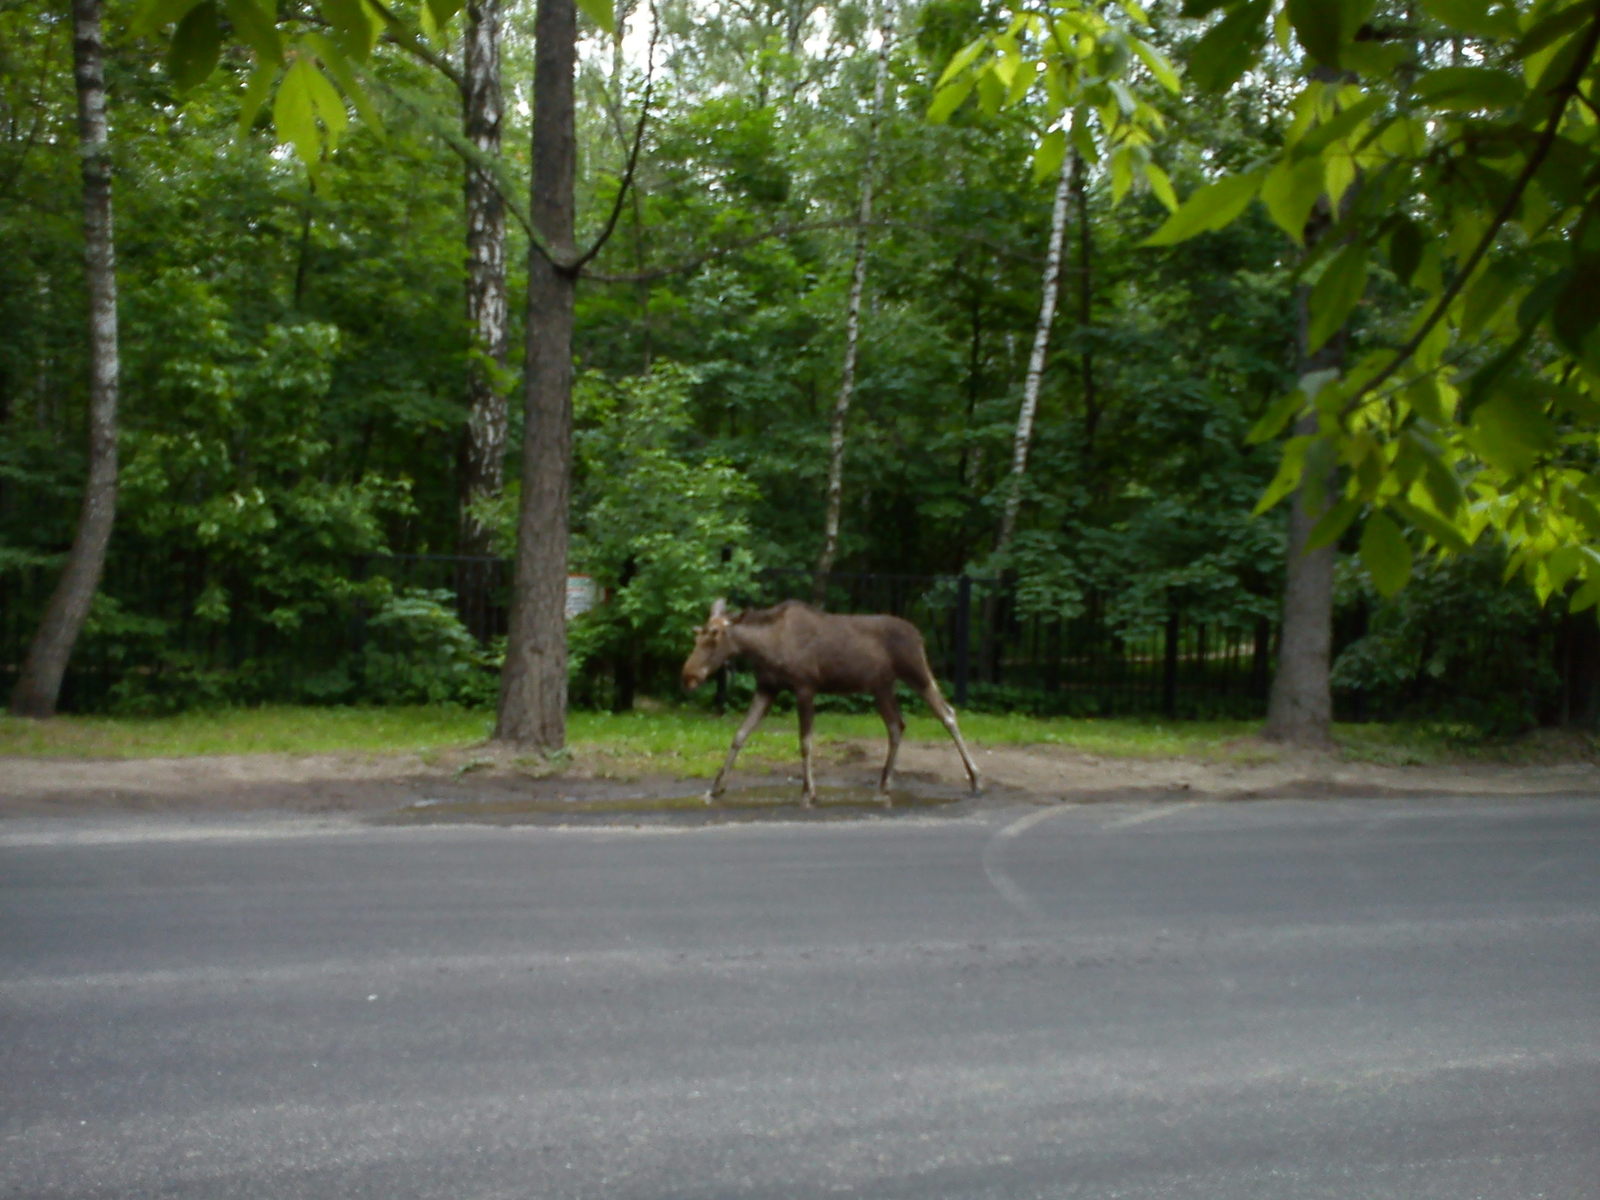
<point x="692" y="679"/>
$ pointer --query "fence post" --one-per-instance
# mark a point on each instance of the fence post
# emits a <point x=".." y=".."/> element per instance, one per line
<point x="963" y="636"/>
<point x="1169" y="665"/>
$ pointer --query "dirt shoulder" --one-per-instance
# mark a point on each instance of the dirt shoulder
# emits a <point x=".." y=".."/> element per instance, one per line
<point x="477" y="784"/>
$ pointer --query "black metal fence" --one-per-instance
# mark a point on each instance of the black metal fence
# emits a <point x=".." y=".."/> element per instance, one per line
<point x="1079" y="665"/>
<point x="382" y="629"/>
<point x="160" y="639"/>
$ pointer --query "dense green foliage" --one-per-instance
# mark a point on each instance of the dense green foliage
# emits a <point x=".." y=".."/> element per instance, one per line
<point x="294" y="338"/>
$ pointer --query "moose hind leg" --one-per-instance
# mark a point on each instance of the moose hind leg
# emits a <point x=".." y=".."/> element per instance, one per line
<point x="759" y="705"/>
<point x="804" y="704"/>
<point x="895" y="726"/>
<point x="947" y="717"/>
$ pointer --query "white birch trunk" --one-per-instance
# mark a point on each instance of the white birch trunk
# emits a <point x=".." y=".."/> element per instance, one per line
<point x="1036" y="359"/>
<point x="852" y="319"/>
<point x="39" y="684"/>
<point x="487" y="408"/>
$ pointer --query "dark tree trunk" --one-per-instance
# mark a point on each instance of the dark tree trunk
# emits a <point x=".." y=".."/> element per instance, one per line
<point x="39" y="686"/>
<point x="533" y="686"/>
<point x="484" y="460"/>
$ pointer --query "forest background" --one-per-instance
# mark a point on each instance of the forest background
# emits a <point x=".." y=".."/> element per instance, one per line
<point x="803" y="270"/>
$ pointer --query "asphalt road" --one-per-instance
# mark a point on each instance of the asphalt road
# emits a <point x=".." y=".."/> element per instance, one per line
<point x="1395" y="999"/>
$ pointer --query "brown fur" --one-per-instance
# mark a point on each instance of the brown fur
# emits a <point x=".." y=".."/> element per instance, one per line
<point x="795" y="647"/>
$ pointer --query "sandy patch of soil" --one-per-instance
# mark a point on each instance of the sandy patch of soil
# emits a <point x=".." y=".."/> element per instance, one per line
<point x="483" y="784"/>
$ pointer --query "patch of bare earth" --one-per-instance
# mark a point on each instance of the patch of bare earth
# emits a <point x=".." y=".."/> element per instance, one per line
<point x="483" y="779"/>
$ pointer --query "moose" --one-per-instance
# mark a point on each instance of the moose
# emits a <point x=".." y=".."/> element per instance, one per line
<point x="796" y="647"/>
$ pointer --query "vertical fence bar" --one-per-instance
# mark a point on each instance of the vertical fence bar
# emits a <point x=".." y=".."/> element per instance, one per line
<point x="963" y="649"/>
<point x="1169" y="665"/>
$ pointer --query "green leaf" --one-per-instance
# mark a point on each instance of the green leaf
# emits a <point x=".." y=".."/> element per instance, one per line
<point x="1278" y="414"/>
<point x="1463" y="89"/>
<point x="294" y="113"/>
<point x="356" y="27"/>
<point x="256" y="90"/>
<point x="1158" y="65"/>
<point x="1319" y="137"/>
<point x="1161" y="186"/>
<point x="1229" y="47"/>
<point x="443" y="10"/>
<point x="1471" y="16"/>
<point x="1405" y="248"/>
<point x="1049" y="155"/>
<point x="1290" y="469"/>
<point x="340" y="69"/>
<point x="1209" y="208"/>
<point x="152" y="15"/>
<point x="602" y="12"/>
<point x="329" y="106"/>
<point x="1386" y="554"/>
<point x="1577" y="311"/>
<point x="1121" y="173"/>
<point x="1510" y="434"/>
<point x="257" y="26"/>
<point x="962" y="59"/>
<point x="949" y="98"/>
<point x="1332" y="524"/>
<point x="196" y="45"/>
<point x="1562" y="23"/>
<point x="1336" y="294"/>
<point x="1433" y="525"/>
<point x="1324" y="26"/>
<point x="1290" y="191"/>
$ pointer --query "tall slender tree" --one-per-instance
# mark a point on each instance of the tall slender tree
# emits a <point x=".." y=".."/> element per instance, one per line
<point x="1033" y="381"/>
<point x="481" y="105"/>
<point x="852" y="319"/>
<point x="38" y="688"/>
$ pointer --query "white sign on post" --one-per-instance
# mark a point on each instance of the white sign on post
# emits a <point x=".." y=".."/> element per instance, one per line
<point x="581" y="595"/>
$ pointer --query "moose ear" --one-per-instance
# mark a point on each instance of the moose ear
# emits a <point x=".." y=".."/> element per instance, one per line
<point x="719" y="608"/>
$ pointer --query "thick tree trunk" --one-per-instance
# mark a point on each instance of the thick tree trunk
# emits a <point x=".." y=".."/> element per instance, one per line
<point x="484" y="460"/>
<point x="533" y="686"/>
<point x="852" y="319"/>
<point x="1032" y="382"/>
<point x="1300" y="704"/>
<point x="39" y="686"/>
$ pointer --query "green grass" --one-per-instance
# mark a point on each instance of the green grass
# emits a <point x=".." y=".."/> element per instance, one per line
<point x="270" y="730"/>
<point x="691" y="742"/>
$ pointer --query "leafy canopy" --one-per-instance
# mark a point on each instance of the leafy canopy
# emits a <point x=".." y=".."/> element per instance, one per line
<point x="1457" y="145"/>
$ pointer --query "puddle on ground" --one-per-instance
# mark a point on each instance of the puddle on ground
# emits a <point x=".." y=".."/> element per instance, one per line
<point x="770" y="802"/>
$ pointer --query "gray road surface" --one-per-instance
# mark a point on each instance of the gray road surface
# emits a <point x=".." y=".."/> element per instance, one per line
<point x="1333" y="999"/>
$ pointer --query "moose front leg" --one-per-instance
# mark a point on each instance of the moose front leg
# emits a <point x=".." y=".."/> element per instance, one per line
<point x="759" y="704"/>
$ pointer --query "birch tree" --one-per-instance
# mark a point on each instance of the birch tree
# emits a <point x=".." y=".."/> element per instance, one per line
<point x="852" y="319"/>
<point x="1034" y="378"/>
<point x="38" y="687"/>
<point x="481" y="105"/>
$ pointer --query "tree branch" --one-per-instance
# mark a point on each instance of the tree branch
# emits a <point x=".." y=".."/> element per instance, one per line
<point x="1563" y="92"/>
<point x="633" y="151"/>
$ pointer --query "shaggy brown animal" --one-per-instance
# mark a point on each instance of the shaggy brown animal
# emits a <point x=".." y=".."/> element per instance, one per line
<point x="799" y="648"/>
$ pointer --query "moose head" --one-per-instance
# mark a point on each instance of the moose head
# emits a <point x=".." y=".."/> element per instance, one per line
<point x="713" y="646"/>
